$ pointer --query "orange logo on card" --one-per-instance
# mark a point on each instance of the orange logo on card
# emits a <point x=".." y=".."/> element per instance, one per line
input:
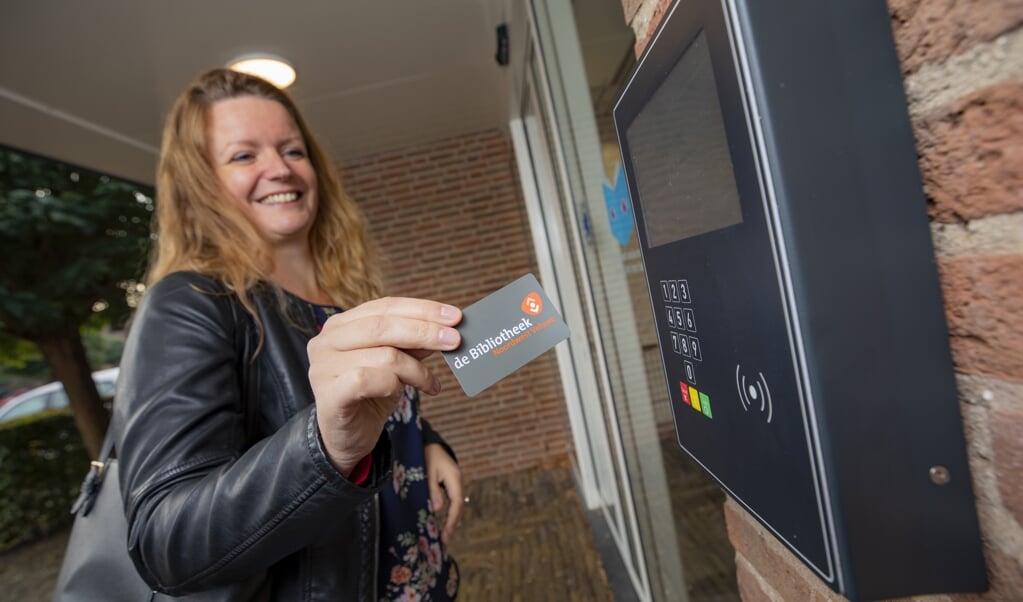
<point x="532" y="304"/>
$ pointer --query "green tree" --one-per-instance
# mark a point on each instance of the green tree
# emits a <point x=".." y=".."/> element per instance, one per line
<point x="74" y="244"/>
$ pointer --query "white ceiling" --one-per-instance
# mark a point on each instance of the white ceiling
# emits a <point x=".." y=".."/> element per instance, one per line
<point x="89" y="81"/>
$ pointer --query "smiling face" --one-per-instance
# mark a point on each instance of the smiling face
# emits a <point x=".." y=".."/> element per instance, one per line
<point x="260" y="157"/>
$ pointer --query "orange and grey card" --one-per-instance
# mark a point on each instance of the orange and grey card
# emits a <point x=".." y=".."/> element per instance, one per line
<point x="503" y="332"/>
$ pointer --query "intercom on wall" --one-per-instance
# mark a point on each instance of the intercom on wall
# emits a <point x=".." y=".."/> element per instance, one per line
<point x="785" y="238"/>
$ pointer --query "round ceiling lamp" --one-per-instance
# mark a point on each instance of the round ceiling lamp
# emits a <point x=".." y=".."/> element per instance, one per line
<point x="273" y="69"/>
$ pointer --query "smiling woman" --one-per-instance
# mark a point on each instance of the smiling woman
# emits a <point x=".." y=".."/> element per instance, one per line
<point x="260" y="156"/>
<point x="281" y="377"/>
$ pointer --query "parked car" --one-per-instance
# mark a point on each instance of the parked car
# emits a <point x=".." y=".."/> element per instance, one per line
<point x="51" y="396"/>
<point x="10" y="394"/>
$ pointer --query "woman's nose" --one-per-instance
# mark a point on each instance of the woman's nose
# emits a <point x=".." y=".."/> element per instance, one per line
<point x="277" y="168"/>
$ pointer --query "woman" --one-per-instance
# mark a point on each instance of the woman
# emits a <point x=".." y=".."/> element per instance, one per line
<point x="254" y="418"/>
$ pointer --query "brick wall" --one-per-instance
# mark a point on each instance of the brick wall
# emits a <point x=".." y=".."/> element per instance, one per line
<point x="450" y="220"/>
<point x="962" y="63"/>
<point x="963" y="68"/>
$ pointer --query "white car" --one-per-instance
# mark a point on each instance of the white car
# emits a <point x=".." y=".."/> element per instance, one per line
<point x="51" y="396"/>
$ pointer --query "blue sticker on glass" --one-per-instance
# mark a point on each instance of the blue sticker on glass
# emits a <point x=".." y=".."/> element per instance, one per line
<point x="619" y="207"/>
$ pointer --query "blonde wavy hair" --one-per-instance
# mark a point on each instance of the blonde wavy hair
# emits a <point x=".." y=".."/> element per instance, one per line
<point x="199" y="227"/>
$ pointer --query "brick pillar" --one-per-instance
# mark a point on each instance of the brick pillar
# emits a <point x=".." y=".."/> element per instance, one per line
<point x="962" y="64"/>
<point x="450" y="221"/>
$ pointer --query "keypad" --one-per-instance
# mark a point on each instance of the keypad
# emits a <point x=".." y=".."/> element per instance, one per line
<point x="681" y="320"/>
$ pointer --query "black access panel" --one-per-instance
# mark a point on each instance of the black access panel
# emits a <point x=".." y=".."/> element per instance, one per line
<point x="784" y="232"/>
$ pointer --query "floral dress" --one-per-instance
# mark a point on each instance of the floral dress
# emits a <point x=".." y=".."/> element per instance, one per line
<point x="414" y="565"/>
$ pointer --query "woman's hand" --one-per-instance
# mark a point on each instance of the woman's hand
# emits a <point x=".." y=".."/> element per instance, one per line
<point x="361" y="361"/>
<point x="445" y="478"/>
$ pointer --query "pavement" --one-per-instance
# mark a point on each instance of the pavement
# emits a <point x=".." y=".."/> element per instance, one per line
<point x="523" y="537"/>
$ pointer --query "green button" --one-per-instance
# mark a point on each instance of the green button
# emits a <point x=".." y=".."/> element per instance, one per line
<point x="705" y="404"/>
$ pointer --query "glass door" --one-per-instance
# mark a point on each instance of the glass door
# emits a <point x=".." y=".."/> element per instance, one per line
<point x="665" y="514"/>
<point x="598" y="454"/>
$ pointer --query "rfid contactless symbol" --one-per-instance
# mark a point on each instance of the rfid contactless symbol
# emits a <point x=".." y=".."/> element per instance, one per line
<point x="756" y="391"/>
<point x="532" y="305"/>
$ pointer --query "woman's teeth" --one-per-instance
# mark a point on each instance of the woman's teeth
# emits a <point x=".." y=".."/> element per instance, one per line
<point x="282" y="197"/>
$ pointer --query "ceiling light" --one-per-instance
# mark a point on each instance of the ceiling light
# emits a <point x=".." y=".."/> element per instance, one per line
<point x="274" y="70"/>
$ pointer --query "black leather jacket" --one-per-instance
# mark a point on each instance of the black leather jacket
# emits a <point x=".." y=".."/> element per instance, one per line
<point x="228" y="492"/>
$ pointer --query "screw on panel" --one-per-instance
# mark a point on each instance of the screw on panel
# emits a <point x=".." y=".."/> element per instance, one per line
<point x="939" y="475"/>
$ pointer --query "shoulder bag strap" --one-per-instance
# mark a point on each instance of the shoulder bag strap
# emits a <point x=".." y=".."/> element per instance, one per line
<point x="94" y="479"/>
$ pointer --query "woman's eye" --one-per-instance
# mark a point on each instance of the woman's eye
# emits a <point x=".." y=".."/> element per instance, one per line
<point x="241" y="156"/>
<point x="297" y="153"/>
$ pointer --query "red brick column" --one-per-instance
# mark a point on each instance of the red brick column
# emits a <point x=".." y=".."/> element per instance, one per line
<point x="450" y="220"/>
<point x="963" y="64"/>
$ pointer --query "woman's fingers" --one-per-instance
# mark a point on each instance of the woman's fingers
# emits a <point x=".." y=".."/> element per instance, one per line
<point x="406" y="307"/>
<point x="361" y="361"/>
<point x="377" y="330"/>
<point x="355" y="392"/>
<point x="370" y="373"/>
<point x="456" y="503"/>
<point x="400" y="322"/>
<point x="444" y="479"/>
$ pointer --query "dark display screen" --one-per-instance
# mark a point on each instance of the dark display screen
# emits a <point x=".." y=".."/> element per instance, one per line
<point x="680" y="154"/>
